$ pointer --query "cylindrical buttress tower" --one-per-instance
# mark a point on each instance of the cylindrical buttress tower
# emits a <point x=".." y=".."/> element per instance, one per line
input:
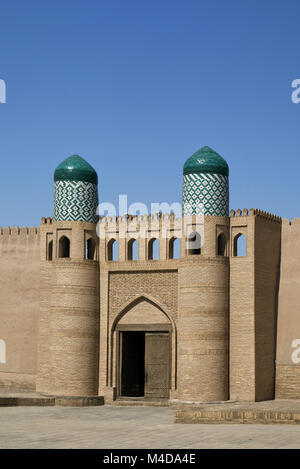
<point x="203" y="281"/>
<point x="69" y="319"/>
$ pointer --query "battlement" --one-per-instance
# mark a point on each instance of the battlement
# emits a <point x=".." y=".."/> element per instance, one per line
<point x="294" y="222"/>
<point x="15" y="231"/>
<point x="46" y="221"/>
<point x="255" y="212"/>
<point x="139" y="218"/>
<point x="158" y="217"/>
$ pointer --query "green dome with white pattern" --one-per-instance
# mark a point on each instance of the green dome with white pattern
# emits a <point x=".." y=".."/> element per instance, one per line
<point x="76" y="192"/>
<point x="75" y="168"/>
<point x="205" y="184"/>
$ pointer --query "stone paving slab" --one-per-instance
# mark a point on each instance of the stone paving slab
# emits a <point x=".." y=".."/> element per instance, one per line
<point x="112" y="427"/>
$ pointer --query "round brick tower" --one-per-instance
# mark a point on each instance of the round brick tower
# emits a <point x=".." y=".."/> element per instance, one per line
<point x="69" y="315"/>
<point x="203" y="278"/>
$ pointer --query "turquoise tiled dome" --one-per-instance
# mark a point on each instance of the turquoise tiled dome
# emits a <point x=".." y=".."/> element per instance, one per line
<point x="75" y="168"/>
<point x="206" y="160"/>
<point x="205" y="184"/>
<point x="76" y="193"/>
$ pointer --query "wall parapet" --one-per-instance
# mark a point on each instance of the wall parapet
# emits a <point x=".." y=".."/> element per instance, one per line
<point x="47" y="220"/>
<point x="148" y="218"/>
<point x="294" y="222"/>
<point x="255" y="212"/>
<point x="18" y="231"/>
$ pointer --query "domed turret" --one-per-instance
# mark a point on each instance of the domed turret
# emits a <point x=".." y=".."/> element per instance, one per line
<point x="76" y="195"/>
<point x="205" y="184"/>
<point x="69" y="313"/>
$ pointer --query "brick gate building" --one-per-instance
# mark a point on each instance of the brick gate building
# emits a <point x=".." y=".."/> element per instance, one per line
<point x="152" y="307"/>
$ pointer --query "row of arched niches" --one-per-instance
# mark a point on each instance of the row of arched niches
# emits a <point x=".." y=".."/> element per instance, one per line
<point x="193" y="247"/>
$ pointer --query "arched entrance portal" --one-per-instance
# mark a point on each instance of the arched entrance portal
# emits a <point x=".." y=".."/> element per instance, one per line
<point x="144" y="352"/>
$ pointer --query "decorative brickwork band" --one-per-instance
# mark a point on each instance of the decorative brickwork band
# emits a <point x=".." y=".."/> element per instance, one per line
<point x="75" y="201"/>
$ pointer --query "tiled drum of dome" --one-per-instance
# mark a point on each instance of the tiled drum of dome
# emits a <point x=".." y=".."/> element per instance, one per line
<point x="205" y="184"/>
<point x="75" y="201"/>
<point x="76" y="191"/>
<point x="211" y="189"/>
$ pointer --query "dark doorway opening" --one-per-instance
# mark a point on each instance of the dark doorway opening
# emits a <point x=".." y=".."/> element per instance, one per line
<point x="133" y="364"/>
<point x="145" y="364"/>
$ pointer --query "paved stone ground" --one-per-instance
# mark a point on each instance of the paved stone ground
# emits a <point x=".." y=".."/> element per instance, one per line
<point x="130" y="427"/>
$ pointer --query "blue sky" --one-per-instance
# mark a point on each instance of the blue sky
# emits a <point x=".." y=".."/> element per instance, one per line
<point x="136" y="87"/>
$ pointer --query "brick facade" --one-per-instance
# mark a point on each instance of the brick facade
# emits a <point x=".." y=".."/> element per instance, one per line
<point x="227" y="329"/>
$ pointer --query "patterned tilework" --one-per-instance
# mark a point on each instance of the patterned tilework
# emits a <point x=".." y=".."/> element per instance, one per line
<point x="75" y="201"/>
<point x="205" y="194"/>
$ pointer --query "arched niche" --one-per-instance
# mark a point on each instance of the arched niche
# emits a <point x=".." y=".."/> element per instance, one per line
<point x="90" y="249"/>
<point x="64" y="247"/>
<point x="240" y="245"/>
<point x="147" y="316"/>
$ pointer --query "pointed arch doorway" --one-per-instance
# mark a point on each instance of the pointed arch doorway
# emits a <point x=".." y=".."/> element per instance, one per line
<point x="144" y="353"/>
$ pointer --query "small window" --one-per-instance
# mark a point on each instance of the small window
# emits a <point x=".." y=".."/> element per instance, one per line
<point x="64" y="247"/>
<point x="174" y="248"/>
<point x="153" y="249"/>
<point x="221" y="245"/>
<point x="112" y="250"/>
<point x="194" y="244"/>
<point x="90" y="249"/>
<point x="133" y="250"/>
<point x="240" y="245"/>
<point x="50" y="251"/>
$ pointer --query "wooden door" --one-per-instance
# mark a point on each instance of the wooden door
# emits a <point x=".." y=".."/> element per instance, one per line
<point x="157" y="364"/>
